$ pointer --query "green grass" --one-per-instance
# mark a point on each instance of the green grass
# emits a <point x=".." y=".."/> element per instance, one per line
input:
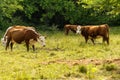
<point x="64" y="57"/>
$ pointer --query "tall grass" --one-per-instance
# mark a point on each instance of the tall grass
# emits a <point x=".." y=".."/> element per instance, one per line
<point x="59" y="59"/>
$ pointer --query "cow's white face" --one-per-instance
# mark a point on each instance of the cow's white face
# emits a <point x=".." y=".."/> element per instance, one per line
<point x="3" y="41"/>
<point x="78" y="31"/>
<point x="42" y="40"/>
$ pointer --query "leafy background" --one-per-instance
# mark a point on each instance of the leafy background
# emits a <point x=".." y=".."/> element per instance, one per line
<point x="58" y="12"/>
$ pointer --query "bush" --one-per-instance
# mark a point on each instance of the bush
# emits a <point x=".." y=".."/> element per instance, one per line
<point x="83" y="69"/>
<point x="110" y="67"/>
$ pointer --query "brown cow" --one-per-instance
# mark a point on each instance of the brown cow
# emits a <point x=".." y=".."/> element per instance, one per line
<point x="19" y="34"/>
<point x="69" y="27"/>
<point x="92" y="32"/>
<point x="15" y="28"/>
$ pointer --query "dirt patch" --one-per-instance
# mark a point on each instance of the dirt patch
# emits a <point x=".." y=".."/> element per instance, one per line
<point x="83" y="61"/>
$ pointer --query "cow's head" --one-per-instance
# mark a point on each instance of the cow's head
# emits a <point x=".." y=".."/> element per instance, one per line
<point x="42" y="40"/>
<point x="78" y="31"/>
<point x="4" y="41"/>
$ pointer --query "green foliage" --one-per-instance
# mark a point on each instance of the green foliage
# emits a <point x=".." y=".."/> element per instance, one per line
<point x="29" y="7"/>
<point x="7" y="9"/>
<point x="91" y="74"/>
<point x="103" y="11"/>
<point x="110" y="67"/>
<point x="65" y="8"/>
<point x="83" y="69"/>
<point x="59" y="12"/>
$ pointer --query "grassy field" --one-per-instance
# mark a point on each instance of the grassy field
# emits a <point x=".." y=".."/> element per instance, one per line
<point x="64" y="57"/>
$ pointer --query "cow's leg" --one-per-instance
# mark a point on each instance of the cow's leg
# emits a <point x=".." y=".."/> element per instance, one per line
<point x="66" y="31"/>
<point x="86" y="39"/>
<point x="73" y="31"/>
<point x="92" y="41"/>
<point x="108" y="40"/>
<point x="103" y="39"/>
<point x="27" y="45"/>
<point x="7" y="44"/>
<point x="11" y="46"/>
<point x="33" y="46"/>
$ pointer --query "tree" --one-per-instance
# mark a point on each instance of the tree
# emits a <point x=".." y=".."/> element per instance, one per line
<point x="7" y="9"/>
<point x="58" y="12"/>
<point x="105" y="10"/>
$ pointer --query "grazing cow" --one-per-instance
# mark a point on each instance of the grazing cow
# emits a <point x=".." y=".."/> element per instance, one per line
<point x="92" y="32"/>
<point x="19" y="34"/>
<point x="69" y="27"/>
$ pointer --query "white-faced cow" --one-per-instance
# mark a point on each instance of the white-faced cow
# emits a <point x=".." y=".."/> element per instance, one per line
<point x="19" y="34"/>
<point x="92" y="32"/>
<point x="69" y="27"/>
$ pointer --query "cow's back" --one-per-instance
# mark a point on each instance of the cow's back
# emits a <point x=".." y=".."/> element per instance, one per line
<point x="71" y="26"/>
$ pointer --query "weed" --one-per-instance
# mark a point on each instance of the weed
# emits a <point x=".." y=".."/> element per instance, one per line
<point x="83" y="69"/>
<point x="110" y="67"/>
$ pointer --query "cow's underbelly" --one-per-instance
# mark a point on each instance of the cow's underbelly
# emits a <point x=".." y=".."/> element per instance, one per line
<point x="97" y="36"/>
<point x="73" y="30"/>
<point x="31" y="41"/>
<point x="17" y="41"/>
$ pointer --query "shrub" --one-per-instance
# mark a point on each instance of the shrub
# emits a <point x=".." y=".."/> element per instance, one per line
<point x="110" y="67"/>
<point x="83" y="69"/>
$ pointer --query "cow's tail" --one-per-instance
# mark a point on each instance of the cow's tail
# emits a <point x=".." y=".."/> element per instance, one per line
<point x="107" y="28"/>
<point x="107" y="35"/>
<point x="4" y="37"/>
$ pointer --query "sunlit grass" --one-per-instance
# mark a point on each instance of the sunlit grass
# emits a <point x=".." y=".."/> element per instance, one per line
<point x="55" y="60"/>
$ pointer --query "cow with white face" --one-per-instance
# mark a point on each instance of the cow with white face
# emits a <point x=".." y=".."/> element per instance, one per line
<point x="69" y="27"/>
<point x="78" y="31"/>
<point x="3" y="42"/>
<point x="94" y="31"/>
<point x="42" y="40"/>
<point x="19" y="34"/>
